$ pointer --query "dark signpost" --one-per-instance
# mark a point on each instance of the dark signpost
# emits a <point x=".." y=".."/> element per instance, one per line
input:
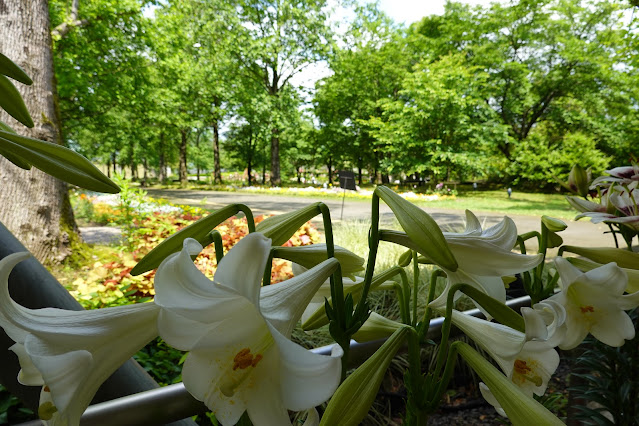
<point x="346" y="181"/>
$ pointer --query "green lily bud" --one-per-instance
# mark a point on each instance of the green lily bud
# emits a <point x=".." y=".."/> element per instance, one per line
<point x="578" y="180"/>
<point x="311" y="255"/>
<point x="623" y="258"/>
<point x="376" y="327"/>
<point x="554" y="240"/>
<point x="283" y="226"/>
<point x="199" y="230"/>
<point x="553" y="225"/>
<point x="421" y="228"/>
<point x="586" y="265"/>
<point x="352" y="400"/>
<point x="520" y="408"/>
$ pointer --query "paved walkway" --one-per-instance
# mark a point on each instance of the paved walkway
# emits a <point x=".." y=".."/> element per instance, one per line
<point x="581" y="233"/>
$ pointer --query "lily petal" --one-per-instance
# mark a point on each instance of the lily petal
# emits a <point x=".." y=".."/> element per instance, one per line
<point x="282" y="304"/>
<point x="74" y="351"/>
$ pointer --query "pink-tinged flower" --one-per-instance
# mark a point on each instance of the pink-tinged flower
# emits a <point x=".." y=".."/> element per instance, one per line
<point x="622" y="175"/>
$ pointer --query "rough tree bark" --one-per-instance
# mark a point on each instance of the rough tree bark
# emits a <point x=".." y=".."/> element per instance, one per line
<point x="34" y="206"/>
<point x="275" y="158"/>
<point x="183" y="143"/>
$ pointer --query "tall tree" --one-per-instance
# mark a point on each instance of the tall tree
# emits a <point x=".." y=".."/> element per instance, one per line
<point x="34" y="206"/>
<point x="274" y="41"/>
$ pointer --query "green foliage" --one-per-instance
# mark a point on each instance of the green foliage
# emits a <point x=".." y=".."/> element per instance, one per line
<point x="12" y="410"/>
<point x="161" y="361"/>
<point x="608" y="378"/>
<point x="539" y="158"/>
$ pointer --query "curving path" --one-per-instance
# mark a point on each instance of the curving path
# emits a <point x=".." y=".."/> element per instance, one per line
<point x="581" y="233"/>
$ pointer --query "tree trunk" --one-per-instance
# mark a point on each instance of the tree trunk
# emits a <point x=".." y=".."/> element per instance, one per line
<point x="162" y="160"/>
<point x="275" y="158"/>
<point x="34" y="206"/>
<point x="217" y="172"/>
<point x="249" y="157"/>
<point x="183" y="172"/>
<point x="329" y="166"/>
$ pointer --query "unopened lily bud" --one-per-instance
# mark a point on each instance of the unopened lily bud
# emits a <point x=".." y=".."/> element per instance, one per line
<point x="313" y="254"/>
<point x="376" y="327"/>
<point x="553" y="225"/>
<point x="421" y="228"/>
<point x="623" y="258"/>
<point x="352" y="400"/>
<point x="578" y="180"/>
<point x="283" y="226"/>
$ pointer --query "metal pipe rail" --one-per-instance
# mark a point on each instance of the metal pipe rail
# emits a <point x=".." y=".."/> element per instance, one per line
<point x="172" y="403"/>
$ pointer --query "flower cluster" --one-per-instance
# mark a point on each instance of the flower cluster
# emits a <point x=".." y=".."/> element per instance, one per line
<point x="237" y="334"/>
<point x="618" y="200"/>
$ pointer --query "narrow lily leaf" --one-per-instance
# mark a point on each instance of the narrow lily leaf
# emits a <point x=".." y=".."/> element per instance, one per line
<point x="623" y="258"/>
<point x="198" y="230"/>
<point x="520" y="408"/>
<point x="18" y="161"/>
<point x="554" y="225"/>
<point x="352" y="400"/>
<point x="500" y="311"/>
<point x="586" y="265"/>
<point x="421" y="228"/>
<point x="58" y="161"/>
<point x="6" y="128"/>
<point x="11" y="69"/>
<point x="376" y="327"/>
<point x="282" y="227"/>
<point x="311" y="255"/>
<point x="12" y="103"/>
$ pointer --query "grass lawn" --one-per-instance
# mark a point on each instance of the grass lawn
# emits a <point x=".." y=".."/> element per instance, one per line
<point x="520" y="203"/>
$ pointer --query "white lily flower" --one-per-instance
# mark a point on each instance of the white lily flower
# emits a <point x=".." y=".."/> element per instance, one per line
<point x="484" y="256"/>
<point x="595" y="303"/>
<point x="545" y="322"/>
<point x="237" y="333"/>
<point x="71" y="353"/>
<point x="528" y="364"/>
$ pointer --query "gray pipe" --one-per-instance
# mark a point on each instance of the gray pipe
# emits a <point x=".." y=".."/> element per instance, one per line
<point x="31" y="285"/>
<point x="169" y="403"/>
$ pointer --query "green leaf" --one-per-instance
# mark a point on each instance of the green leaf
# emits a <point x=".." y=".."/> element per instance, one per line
<point x="500" y="311"/>
<point x="12" y="103"/>
<point x="11" y="69"/>
<point x="420" y="227"/>
<point x="352" y="400"/>
<point x="282" y="227"/>
<point x="198" y="230"/>
<point x="58" y="161"/>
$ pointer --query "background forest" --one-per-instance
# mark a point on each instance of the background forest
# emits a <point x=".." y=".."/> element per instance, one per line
<point x="511" y="93"/>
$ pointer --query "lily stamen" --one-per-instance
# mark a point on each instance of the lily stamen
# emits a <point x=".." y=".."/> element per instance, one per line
<point x="525" y="372"/>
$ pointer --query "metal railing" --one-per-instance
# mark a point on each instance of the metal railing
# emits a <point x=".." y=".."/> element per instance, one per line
<point x="172" y="403"/>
